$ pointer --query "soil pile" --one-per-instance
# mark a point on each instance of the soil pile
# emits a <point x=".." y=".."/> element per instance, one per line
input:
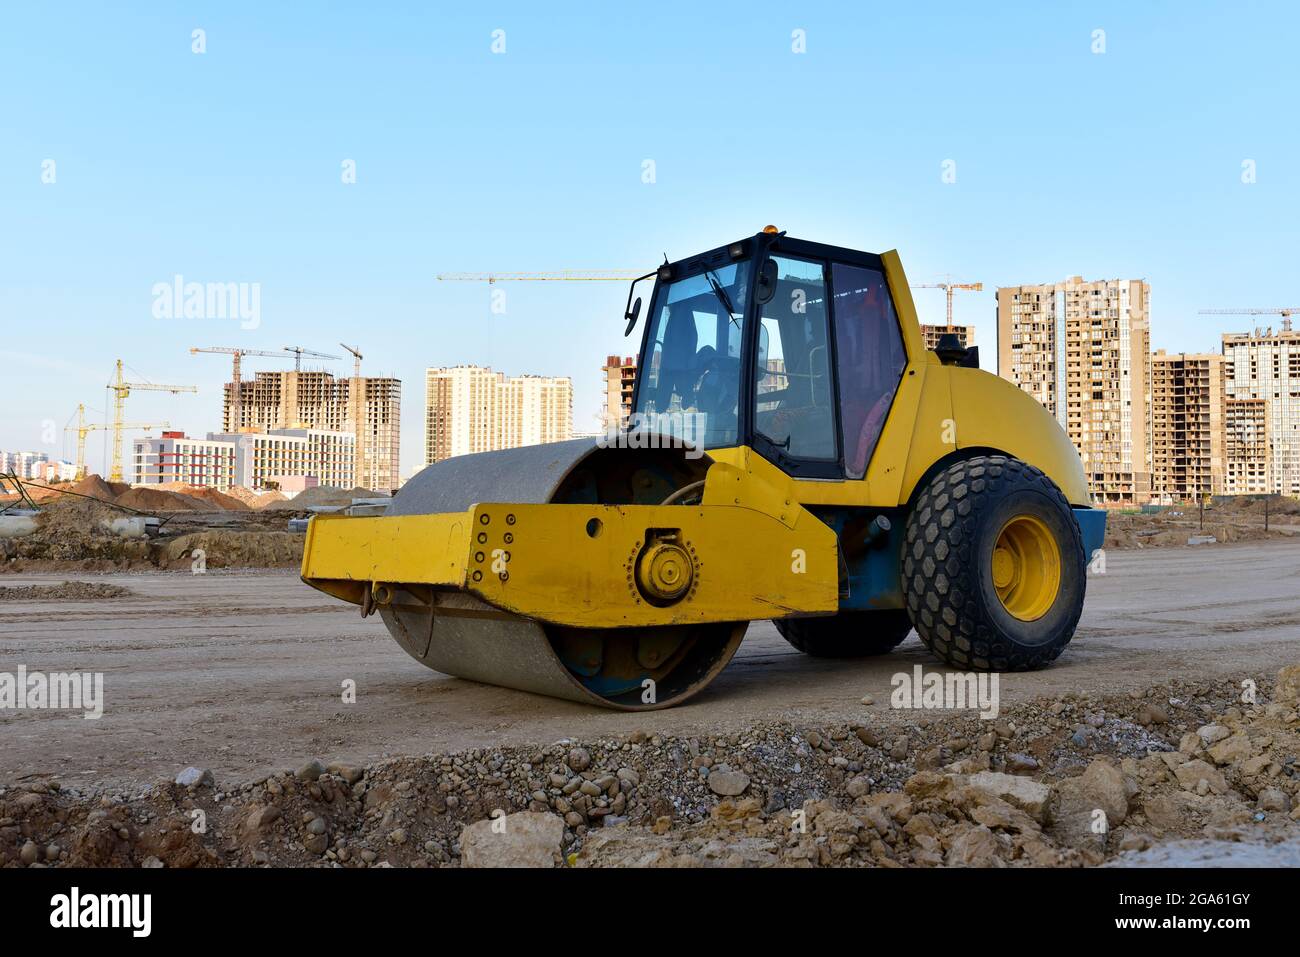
<point x="205" y="497"/>
<point x="150" y="500"/>
<point x="254" y="499"/>
<point x="1179" y="761"/>
<point x="66" y="591"/>
<point x="1173" y="527"/>
<point x="237" y="549"/>
<point x="325" y="495"/>
<point x="72" y="534"/>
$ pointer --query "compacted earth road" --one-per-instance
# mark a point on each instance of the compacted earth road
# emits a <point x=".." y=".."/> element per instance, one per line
<point x="244" y="672"/>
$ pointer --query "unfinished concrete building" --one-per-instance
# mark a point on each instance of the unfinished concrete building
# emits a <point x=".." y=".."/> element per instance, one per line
<point x="965" y="334"/>
<point x="1246" y="447"/>
<point x="1265" y="365"/>
<point x="1083" y="350"/>
<point x="1188" y="426"/>
<point x="367" y="407"/>
<point x="620" y="381"/>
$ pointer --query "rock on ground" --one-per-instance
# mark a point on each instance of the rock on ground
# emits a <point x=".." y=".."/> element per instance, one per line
<point x="525" y="839"/>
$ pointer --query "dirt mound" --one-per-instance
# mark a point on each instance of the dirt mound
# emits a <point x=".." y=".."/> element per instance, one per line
<point x="1175" y="762"/>
<point x="1276" y="505"/>
<point x="325" y="495"/>
<point x="251" y="499"/>
<point x="1174" y="526"/>
<point x="72" y="535"/>
<point x="204" y="495"/>
<point x="144" y="499"/>
<point x="96" y="487"/>
<point x="66" y="591"/>
<point x="75" y="519"/>
<point x="243" y="549"/>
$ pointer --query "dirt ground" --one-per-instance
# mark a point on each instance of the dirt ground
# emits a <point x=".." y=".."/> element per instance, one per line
<point x="242" y="671"/>
<point x="234" y="680"/>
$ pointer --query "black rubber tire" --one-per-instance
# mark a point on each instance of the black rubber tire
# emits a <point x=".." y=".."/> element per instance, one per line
<point x="850" y="634"/>
<point x="947" y="566"/>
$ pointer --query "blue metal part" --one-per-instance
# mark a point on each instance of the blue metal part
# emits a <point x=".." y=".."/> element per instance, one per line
<point x="873" y="570"/>
<point x="1092" y="528"/>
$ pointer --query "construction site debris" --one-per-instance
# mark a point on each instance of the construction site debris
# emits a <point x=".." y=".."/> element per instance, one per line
<point x="65" y="591"/>
<point x="80" y="534"/>
<point x="324" y="495"/>
<point x="255" y="499"/>
<point x="942" y="795"/>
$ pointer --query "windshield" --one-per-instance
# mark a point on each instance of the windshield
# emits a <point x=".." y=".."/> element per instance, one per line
<point x="691" y="374"/>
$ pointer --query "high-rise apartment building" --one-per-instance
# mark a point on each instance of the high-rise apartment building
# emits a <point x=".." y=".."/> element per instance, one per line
<point x="1083" y="350"/>
<point x="620" y="381"/>
<point x="1247" y="463"/>
<point x="368" y="407"/>
<point x="1265" y="365"/>
<point x="1188" y="426"/>
<point x="473" y="409"/>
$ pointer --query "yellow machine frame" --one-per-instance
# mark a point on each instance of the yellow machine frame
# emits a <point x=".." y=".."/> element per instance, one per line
<point x="577" y="564"/>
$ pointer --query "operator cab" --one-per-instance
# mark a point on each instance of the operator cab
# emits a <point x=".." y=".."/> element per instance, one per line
<point x="790" y="347"/>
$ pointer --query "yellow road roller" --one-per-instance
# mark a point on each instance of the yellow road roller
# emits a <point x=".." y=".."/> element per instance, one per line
<point x="794" y="452"/>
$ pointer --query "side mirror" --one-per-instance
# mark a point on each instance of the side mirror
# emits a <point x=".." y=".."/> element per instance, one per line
<point x="631" y="317"/>
<point x="633" y="309"/>
<point x="767" y="278"/>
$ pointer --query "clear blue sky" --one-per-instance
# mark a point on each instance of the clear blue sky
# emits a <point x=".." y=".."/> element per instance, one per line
<point x="225" y="167"/>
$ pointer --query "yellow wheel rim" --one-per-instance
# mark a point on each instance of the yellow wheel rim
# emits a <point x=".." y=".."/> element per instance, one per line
<point x="1026" y="568"/>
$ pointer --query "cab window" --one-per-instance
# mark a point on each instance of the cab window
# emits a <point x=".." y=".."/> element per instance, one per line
<point x="794" y="394"/>
<point x="870" y="359"/>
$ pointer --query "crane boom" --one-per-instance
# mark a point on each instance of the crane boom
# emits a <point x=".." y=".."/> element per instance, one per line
<point x="1286" y="312"/>
<point x="948" y="288"/>
<point x="299" y="352"/>
<point x="121" y="389"/>
<point x="568" y="275"/>
<point x="83" y="428"/>
<point x="236" y="396"/>
<point x="356" y="359"/>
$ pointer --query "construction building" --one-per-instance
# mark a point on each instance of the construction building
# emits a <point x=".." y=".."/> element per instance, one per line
<point x="1246" y="449"/>
<point x="1265" y="365"/>
<point x="1083" y="350"/>
<point x="473" y="409"/>
<point x="965" y="334"/>
<point x="174" y="457"/>
<point x="367" y="407"/>
<point x="1188" y="427"/>
<point x="281" y="457"/>
<point x="620" y="381"/>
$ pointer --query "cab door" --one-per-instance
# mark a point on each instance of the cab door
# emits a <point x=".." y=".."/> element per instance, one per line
<point x="795" y="420"/>
<point x="869" y="359"/>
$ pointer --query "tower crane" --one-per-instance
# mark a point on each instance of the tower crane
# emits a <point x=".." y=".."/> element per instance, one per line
<point x="356" y="359"/>
<point x="236" y="397"/>
<point x="568" y="275"/>
<point x="572" y="275"/>
<point x="83" y="428"/>
<point x="299" y="352"/>
<point x="1285" y="312"/>
<point x="357" y="401"/>
<point x="949" y="288"/>
<point x="121" y="389"/>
